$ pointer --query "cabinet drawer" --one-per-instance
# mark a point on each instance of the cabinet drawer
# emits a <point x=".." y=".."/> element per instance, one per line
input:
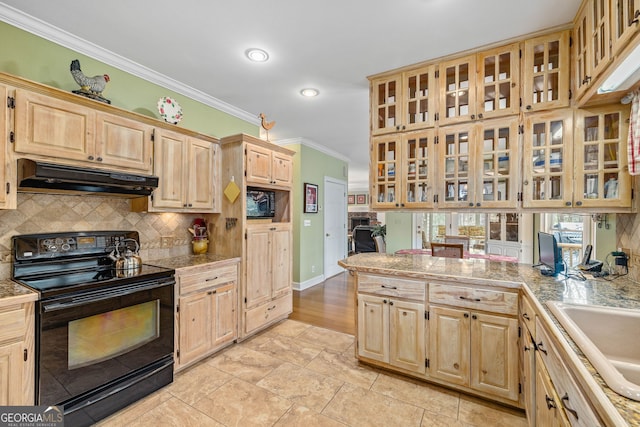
<point x="527" y="315"/>
<point x="13" y="322"/>
<point x="265" y="313"/>
<point x="495" y="301"/>
<point x="205" y="278"/>
<point x="392" y="287"/>
<point x="574" y="402"/>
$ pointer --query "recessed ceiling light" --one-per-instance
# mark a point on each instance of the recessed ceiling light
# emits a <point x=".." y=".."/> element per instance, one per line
<point x="256" y="55"/>
<point x="309" y="92"/>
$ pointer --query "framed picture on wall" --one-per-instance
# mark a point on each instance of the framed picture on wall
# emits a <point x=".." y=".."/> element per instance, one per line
<point x="351" y="199"/>
<point x="310" y="198"/>
<point x="361" y="199"/>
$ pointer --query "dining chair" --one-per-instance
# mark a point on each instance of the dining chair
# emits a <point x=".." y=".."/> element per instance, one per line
<point x="380" y="245"/>
<point x="458" y="239"/>
<point x="449" y="250"/>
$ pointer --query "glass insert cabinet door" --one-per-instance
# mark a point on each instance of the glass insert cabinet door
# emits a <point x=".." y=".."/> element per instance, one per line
<point x="456" y="169"/>
<point x="403" y="170"/>
<point x="548" y="159"/>
<point x="600" y="147"/>
<point x="457" y="90"/>
<point x="498" y="86"/>
<point x="419" y="97"/>
<point x="623" y="23"/>
<point x="385" y="105"/>
<point x="546" y="72"/>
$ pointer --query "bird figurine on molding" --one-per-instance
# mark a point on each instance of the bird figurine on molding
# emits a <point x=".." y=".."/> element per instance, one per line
<point x="91" y="87"/>
<point x="265" y="124"/>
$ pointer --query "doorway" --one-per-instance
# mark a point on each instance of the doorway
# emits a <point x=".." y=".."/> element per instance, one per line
<point x="335" y="225"/>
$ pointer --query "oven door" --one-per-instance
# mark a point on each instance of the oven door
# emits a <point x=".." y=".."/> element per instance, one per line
<point x="88" y="340"/>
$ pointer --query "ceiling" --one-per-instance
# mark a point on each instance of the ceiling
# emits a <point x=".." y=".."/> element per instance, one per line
<point x="331" y="45"/>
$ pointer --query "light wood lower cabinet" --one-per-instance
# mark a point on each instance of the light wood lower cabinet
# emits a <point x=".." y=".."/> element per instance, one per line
<point x="267" y="289"/>
<point x="17" y="357"/>
<point x="206" y="315"/>
<point x="548" y="410"/>
<point x="474" y="349"/>
<point x="392" y="331"/>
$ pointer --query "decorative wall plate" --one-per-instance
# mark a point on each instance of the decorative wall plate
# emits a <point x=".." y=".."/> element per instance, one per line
<point x="169" y="110"/>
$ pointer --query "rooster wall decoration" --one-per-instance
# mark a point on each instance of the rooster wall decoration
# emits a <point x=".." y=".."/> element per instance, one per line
<point x="265" y="124"/>
<point x="91" y="87"/>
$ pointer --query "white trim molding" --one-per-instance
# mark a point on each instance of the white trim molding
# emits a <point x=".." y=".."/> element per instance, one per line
<point x="314" y="145"/>
<point x="301" y="286"/>
<point x="54" y="34"/>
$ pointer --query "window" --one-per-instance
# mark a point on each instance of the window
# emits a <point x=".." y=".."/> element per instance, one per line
<point x="572" y="232"/>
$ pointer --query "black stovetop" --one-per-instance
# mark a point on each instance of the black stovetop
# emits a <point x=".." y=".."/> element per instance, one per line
<point x="63" y="263"/>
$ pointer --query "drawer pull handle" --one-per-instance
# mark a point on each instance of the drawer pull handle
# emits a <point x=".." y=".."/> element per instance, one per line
<point x="389" y="287"/>
<point x="565" y="398"/>
<point x="271" y="308"/>
<point x="526" y="316"/>
<point x="541" y="348"/>
<point x="470" y="299"/>
<point x="551" y="404"/>
<point x="210" y="279"/>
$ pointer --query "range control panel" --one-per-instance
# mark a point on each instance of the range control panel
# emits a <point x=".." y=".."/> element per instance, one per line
<point x="53" y="245"/>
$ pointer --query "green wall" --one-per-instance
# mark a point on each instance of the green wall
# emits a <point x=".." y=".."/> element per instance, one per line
<point x="34" y="58"/>
<point x="399" y="231"/>
<point x="311" y="166"/>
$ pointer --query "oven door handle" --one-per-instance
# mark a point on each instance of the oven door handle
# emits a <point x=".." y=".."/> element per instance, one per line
<point x="103" y="295"/>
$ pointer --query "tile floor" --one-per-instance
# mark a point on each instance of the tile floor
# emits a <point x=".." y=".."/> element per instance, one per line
<point x="295" y="374"/>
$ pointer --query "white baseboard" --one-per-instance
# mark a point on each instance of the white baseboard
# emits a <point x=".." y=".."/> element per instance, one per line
<point x="301" y="286"/>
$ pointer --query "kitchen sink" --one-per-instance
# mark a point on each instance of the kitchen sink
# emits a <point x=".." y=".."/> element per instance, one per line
<point x="609" y="338"/>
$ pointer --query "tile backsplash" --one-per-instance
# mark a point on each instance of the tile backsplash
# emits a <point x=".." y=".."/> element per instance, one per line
<point x="43" y="213"/>
<point x="627" y="233"/>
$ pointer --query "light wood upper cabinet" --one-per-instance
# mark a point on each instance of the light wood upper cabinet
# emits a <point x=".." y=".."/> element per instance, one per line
<point x="591" y="48"/>
<point x="480" y="86"/>
<point x="457" y="90"/>
<point x="51" y="127"/>
<point x="403" y="170"/>
<point x="188" y="169"/>
<point x="404" y="101"/>
<point x="8" y="192"/>
<point x="546" y="72"/>
<point x="124" y="143"/>
<point x="385" y="104"/>
<point x="478" y="164"/>
<point x="267" y="167"/>
<point x="600" y="157"/>
<point x="54" y="128"/>
<point x="625" y="15"/>
<point x="548" y="159"/>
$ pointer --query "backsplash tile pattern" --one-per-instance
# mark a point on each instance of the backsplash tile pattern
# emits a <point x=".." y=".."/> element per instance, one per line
<point x="42" y="213"/>
<point x="627" y="236"/>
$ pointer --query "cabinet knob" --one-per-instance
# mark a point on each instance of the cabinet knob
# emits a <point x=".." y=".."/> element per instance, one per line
<point x="480" y="116"/>
<point x="578" y="203"/>
<point x="390" y="302"/>
<point x="455" y="365"/>
<point x="567" y="203"/>
<point x="586" y="80"/>
<point x="478" y="204"/>
<point x="466" y="315"/>
<point x="99" y="159"/>
<point x="90" y="157"/>
<point x="473" y="116"/>
<point x="528" y="107"/>
<point x="474" y="317"/>
<point x="525" y="316"/>
<point x="384" y="301"/>
<point x="471" y="204"/>
<point x="190" y="205"/>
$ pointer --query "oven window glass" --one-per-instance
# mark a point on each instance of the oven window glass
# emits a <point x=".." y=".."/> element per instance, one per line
<point x="107" y="335"/>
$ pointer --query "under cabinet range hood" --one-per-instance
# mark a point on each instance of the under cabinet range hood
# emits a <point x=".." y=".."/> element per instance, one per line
<point x="36" y="176"/>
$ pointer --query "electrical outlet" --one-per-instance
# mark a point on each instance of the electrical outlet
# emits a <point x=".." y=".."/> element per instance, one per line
<point x="313" y="268"/>
<point x="166" y="241"/>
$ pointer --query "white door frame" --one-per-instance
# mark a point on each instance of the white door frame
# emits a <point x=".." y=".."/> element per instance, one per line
<point x="330" y="267"/>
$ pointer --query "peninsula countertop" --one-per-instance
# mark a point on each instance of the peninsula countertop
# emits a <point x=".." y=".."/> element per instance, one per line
<point x="618" y="292"/>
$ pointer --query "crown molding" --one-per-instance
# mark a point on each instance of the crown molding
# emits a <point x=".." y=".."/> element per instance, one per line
<point x="314" y="145"/>
<point x="54" y="34"/>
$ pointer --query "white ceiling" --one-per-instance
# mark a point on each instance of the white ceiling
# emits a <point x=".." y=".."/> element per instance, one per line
<point x="332" y="45"/>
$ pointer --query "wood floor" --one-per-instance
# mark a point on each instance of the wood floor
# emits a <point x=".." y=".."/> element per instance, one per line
<point x="330" y="304"/>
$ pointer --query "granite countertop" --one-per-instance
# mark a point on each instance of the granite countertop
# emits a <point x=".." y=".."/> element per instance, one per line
<point x="619" y="292"/>
<point x="14" y="293"/>
<point x="186" y="261"/>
